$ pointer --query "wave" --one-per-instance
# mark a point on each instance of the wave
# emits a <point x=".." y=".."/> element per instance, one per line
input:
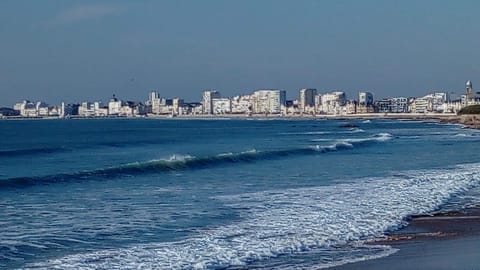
<point x="465" y="135"/>
<point x="350" y="131"/>
<point x="92" y="145"/>
<point x="187" y="162"/>
<point x="380" y="137"/>
<point x="322" y="221"/>
<point x="307" y="133"/>
<point x="32" y="151"/>
<point x="357" y="130"/>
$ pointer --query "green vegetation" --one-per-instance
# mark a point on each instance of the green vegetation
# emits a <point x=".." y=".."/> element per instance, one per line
<point x="472" y="109"/>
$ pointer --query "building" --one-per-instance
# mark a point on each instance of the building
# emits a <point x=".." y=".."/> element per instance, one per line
<point x="177" y="105"/>
<point x="307" y="100"/>
<point x="421" y="105"/>
<point x="470" y="97"/>
<point x="269" y="101"/>
<point x="221" y="105"/>
<point x="42" y="109"/>
<point x="383" y="105"/>
<point x="399" y="105"/>
<point x="207" y="97"/>
<point x="26" y="108"/>
<point x="114" y="106"/>
<point x="194" y="108"/>
<point x="242" y="104"/>
<point x="365" y="98"/>
<point x="332" y="103"/>
<point x="365" y="103"/>
<point x="392" y="105"/>
<point x="350" y="107"/>
<point x="154" y="102"/>
<point x="86" y="109"/>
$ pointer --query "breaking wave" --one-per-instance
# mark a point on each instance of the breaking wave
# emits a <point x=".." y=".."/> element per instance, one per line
<point x="277" y="224"/>
<point x="187" y="162"/>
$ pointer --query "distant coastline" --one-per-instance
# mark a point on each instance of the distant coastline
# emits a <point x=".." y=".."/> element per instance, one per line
<point x="467" y="121"/>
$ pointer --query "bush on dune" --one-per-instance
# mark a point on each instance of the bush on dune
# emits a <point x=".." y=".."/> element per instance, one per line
<point x="472" y="109"/>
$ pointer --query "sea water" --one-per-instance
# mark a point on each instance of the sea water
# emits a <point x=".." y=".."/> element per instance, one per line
<point x="222" y="194"/>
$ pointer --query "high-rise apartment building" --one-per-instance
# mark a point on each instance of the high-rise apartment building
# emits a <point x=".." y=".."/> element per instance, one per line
<point x="307" y="98"/>
<point x="207" y="97"/>
<point x="154" y="101"/>
<point x="269" y="101"/>
<point x="365" y="98"/>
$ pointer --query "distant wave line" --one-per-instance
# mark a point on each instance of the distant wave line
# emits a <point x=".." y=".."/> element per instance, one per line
<point x="32" y="151"/>
<point x="181" y="163"/>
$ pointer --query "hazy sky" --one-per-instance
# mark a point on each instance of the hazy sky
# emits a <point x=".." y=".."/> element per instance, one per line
<point x="88" y="50"/>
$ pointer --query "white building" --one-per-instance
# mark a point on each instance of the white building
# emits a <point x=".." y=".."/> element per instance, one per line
<point x="332" y="103"/>
<point x="207" y="97"/>
<point x="177" y="106"/>
<point x="155" y="102"/>
<point x="221" y="105"/>
<point x="126" y="111"/>
<point x="26" y="108"/>
<point x="399" y="105"/>
<point x="62" y="110"/>
<point x="86" y="109"/>
<point x="42" y="109"/>
<point x="114" y="106"/>
<point x="269" y="101"/>
<point x="100" y="110"/>
<point x="420" y="105"/>
<point x="435" y="102"/>
<point x="307" y="99"/>
<point x="242" y="104"/>
<point x="95" y="109"/>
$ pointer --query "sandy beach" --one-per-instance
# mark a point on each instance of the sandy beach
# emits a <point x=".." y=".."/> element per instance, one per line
<point x="442" y="241"/>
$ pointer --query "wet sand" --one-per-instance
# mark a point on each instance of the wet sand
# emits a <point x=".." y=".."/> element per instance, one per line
<point x="442" y="241"/>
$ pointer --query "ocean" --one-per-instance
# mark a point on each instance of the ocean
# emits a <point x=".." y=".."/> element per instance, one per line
<point x="222" y="193"/>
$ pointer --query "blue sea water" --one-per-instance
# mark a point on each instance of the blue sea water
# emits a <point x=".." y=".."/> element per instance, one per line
<point x="222" y="194"/>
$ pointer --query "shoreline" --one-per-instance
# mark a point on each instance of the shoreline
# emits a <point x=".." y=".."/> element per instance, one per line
<point x="445" y="240"/>
<point x="466" y="121"/>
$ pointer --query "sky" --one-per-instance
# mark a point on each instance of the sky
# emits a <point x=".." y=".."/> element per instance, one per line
<point x="72" y="51"/>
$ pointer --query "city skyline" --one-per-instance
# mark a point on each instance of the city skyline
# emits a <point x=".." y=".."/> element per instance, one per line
<point x="85" y="51"/>
<point x="259" y="102"/>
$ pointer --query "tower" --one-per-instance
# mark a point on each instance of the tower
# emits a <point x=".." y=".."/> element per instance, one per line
<point x="469" y="92"/>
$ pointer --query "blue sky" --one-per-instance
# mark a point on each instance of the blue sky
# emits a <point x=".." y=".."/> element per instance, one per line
<point x="88" y="50"/>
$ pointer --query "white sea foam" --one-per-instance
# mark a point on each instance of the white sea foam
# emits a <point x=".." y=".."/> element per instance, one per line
<point x="380" y="137"/>
<point x="307" y="133"/>
<point x="357" y="130"/>
<point x="178" y="157"/>
<point x="251" y="151"/>
<point x="278" y="222"/>
<point x="349" y="131"/>
<point x="465" y="135"/>
<point x="323" y="140"/>
<point x="366" y="121"/>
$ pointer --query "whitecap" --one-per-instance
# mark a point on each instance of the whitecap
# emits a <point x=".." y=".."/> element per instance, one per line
<point x="289" y="221"/>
